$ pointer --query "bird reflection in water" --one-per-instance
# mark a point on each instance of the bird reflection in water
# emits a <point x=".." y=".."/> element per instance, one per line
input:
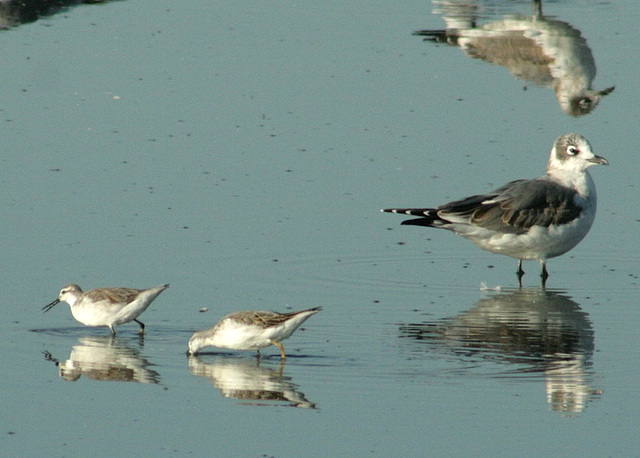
<point x="539" y="332"/>
<point x="545" y="52"/>
<point x="16" y="12"/>
<point x="107" y="359"/>
<point x="249" y="382"/>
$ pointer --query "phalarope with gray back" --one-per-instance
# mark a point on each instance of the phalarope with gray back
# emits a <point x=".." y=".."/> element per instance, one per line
<point x="107" y="306"/>
<point x="250" y="330"/>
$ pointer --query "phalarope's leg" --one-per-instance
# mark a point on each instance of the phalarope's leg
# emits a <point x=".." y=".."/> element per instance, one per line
<point x="281" y="347"/>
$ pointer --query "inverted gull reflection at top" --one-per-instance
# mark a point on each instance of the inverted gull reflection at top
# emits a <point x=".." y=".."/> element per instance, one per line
<point x="16" y="12"/>
<point x="546" y="52"/>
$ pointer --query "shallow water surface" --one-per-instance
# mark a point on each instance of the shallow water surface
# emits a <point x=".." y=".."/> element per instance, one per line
<point x="241" y="152"/>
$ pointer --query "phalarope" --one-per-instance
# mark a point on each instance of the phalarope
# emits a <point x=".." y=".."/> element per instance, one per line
<point x="250" y="330"/>
<point x="107" y="306"/>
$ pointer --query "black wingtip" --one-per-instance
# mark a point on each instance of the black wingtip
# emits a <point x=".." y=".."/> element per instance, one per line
<point x="397" y="211"/>
<point x="422" y="212"/>
<point x="427" y="222"/>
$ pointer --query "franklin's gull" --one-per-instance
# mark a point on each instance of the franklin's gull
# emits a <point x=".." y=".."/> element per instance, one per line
<point x="527" y="219"/>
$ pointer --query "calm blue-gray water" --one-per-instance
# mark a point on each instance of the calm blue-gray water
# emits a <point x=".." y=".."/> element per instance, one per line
<point x="241" y="151"/>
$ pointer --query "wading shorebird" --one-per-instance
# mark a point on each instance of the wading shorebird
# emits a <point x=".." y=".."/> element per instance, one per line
<point x="250" y="330"/>
<point x="107" y="306"/>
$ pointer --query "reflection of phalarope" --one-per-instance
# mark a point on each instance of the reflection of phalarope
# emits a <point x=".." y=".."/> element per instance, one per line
<point x="107" y="359"/>
<point x="527" y="219"/>
<point x="107" y="306"/>
<point x="545" y="52"/>
<point x="250" y="330"/>
<point x="249" y="382"/>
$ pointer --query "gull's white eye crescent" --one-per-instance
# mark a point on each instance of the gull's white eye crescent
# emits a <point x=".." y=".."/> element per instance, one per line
<point x="572" y="150"/>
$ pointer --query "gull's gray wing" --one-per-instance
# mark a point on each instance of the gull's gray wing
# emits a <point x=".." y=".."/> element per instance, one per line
<point x="516" y="207"/>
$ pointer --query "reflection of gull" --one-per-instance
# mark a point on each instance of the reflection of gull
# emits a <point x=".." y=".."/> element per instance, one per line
<point x="248" y="381"/>
<point x="542" y="331"/>
<point x="16" y="12"/>
<point x="106" y="359"/>
<point x="546" y="52"/>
